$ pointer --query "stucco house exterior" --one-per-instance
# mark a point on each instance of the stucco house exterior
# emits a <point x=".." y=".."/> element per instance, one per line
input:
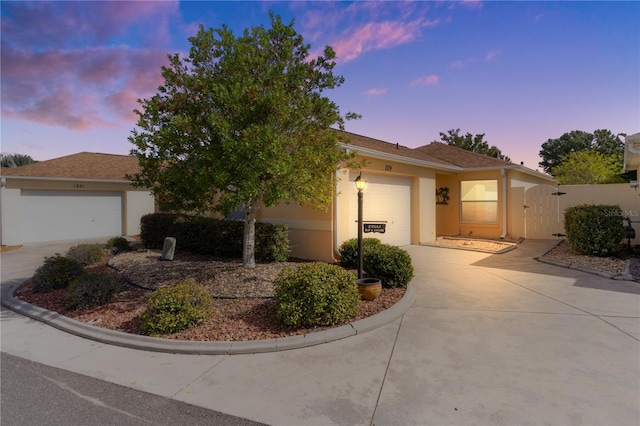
<point x="83" y="195"/>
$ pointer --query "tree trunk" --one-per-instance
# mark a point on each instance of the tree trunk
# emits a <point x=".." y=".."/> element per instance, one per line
<point x="249" y="243"/>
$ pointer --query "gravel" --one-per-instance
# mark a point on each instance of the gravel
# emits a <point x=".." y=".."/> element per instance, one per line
<point x="565" y="252"/>
<point x="244" y="308"/>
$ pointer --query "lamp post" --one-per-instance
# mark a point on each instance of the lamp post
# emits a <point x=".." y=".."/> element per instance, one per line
<point x="361" y="184"/>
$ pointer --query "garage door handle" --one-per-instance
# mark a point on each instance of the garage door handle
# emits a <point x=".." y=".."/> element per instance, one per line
<point x="525" y="206"/>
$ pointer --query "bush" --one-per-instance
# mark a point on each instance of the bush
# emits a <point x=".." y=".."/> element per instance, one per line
<point x="118" y="245"/>
<point x="87" y="254"/>
<point x="56" y="272"/>
<point x="173" y="309"/>
<point x="215" y="237"/>
<point x="391" y="264"/>
<point x="91" y="290"/>
<point x="594" y="229"/>
<point x="315" y="294"/>
<point x="348" y="251"/>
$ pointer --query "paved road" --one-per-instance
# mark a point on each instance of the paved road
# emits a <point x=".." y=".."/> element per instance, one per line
<point x="36" y="394"/>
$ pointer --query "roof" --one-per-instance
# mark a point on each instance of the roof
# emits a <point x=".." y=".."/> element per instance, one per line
<point x="84" y="165"/>
<point x="461" y="157"/>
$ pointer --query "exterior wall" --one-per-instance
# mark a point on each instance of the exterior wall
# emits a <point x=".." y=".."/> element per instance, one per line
<point x="448" y="215"/>
<point x="136" y="202"/>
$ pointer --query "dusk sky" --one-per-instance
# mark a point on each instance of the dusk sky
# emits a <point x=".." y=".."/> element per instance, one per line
<point x="520" y="72"/>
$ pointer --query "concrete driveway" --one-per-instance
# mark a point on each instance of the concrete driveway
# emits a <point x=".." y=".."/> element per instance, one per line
<point x="491" y="339"/>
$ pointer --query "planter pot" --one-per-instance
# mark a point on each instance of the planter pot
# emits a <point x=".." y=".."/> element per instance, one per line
<point x="369" y="288"/>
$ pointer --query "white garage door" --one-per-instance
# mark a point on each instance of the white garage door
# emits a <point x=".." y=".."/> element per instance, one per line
<point x="65" y="215"/>
<point x="387" y="200"/>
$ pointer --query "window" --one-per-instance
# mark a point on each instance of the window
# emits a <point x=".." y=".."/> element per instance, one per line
<point x="479" y="201"/>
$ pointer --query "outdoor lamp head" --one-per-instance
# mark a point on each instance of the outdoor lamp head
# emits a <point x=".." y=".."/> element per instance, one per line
<point x="361" y="184"/>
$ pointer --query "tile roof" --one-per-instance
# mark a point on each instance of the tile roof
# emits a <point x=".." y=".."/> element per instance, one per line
<point x="84" y="165"/>
<point x="394" y="149"/>
<point x="461" y="157"/>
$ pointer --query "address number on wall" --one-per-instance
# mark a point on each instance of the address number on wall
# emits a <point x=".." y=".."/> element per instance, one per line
<point x="78" y="185"/>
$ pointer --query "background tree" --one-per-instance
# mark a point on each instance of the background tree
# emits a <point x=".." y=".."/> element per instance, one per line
<point x="583" y="167"/>
<point x="472" y="143"/>
<point x="15" y="160"/>
<point x="603" y="141"/>
<point x="242" y="121"/>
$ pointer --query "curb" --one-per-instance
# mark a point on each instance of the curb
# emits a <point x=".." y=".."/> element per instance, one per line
<point x="156" y="344"/>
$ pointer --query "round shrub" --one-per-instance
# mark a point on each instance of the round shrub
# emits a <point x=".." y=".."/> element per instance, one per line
<point x="91" y="290"/>
<point x="56" y="272"/>
<point x="173" y="309"/>
<point x="594" y="229"/>
<point x="315" y="294"/>
<point x="391" y="264"/>
<point x="348" y="251"/>
<point x="87" y="254"/>
<point x="118" y="245"/>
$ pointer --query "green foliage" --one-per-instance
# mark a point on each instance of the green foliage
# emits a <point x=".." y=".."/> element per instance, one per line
<point x="594" y="229"/>
<point x="91" y="290"/>
<point x="555" y="151"/>
<point x="588" y="167"/>
<point x="173" y="309"/>
<point x="472" y="143"/>
<point x="242" y="120"/>
<point x="56" y="272"/>
<point x="316" y="294"/>
<point x="348" y="251"/>
<point x="215" y="237"/>
<point x="390" y="264"/>
<point x="118" y="245"/>
<point x="15" y="160"/>
<point x="87" y="254"/>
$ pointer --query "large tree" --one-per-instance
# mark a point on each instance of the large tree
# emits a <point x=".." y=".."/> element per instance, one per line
<point x="242" y="121"/>
<point x="15" y="160"/>
<point x="554" y="151"/>
<point x="587" y="167"/>
<point x="472" y="143"/>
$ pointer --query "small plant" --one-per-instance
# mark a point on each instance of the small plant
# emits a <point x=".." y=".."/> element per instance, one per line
<point x="56" y="272"/>
<point x="173" y="309"/>
<point x="118" y="245"/>
<point x="594" y="229"/>
<point x="91" y="290"/>
<point x="315" y="294"/>
<point x="349" y="251"/>
<point x="87" y="254"/>
<point x="391" y="264"/>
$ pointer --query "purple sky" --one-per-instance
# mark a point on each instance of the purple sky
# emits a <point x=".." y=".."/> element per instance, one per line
<point x="520" y="72"/>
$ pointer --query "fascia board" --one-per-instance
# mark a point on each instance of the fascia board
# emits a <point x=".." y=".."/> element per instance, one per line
<point x="372" y="153"/>
<point x="58" y="179"/>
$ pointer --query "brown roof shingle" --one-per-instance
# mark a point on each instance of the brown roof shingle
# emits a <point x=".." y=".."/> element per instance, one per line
<point x="461" y="157"/>
<point x="84" y="165"/>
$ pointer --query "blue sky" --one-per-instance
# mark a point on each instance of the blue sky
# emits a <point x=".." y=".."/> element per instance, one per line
<point x="520" y="72"/>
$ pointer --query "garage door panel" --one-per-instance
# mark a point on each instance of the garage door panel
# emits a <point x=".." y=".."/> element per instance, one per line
<point x="61" y="215"/>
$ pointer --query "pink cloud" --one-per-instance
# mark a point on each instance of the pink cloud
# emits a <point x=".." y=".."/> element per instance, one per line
<point x="462" y="63"/>
<point x="375" y="36"/>
<point x="375" y="92"/>
<point x="491" y="55"/>
<point x="426" y="80"/>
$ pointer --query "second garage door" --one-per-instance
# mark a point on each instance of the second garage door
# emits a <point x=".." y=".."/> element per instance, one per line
<point x="65" y="215"/>
<point x="387" y="200"/>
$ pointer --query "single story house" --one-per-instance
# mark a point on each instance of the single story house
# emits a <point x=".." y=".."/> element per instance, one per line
<point x="412" y="197"/>
<point x="83" y="195"/>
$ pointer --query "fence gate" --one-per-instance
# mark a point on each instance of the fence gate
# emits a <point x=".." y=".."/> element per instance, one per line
<point x="542" y="216"/>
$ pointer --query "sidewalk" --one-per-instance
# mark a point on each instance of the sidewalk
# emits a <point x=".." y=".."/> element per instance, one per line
<point x="491" y="339"/>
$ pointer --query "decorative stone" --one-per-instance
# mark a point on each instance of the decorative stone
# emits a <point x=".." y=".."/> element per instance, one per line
<point x="168" y="248"/>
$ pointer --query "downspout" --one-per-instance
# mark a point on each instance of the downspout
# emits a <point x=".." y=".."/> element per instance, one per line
<point x="504" y="203"/>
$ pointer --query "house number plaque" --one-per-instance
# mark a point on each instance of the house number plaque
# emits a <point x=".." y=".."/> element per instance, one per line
<point x="379" y="228"/>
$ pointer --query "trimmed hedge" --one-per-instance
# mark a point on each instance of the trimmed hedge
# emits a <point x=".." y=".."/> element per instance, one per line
<point x="315" y="294"/>
<point x="214" y="237"/>
<point x="390" y="264"/>
<point x="91" y="290"/>
<point x="56" y="272"/>
<point x="87" y="254"/>
<point x="594" y="229"/>
<point x="348" y="251"/>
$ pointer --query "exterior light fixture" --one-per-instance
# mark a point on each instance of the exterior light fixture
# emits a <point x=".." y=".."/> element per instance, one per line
<point x="361" y="184"/>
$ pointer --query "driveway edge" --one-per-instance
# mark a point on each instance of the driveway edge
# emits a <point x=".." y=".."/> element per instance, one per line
<point x="157" y="344"/>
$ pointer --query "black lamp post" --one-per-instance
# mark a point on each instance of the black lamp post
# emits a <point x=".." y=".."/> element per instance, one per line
<point x="361" y="184"/>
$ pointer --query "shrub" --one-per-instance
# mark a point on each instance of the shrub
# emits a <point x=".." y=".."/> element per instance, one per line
<point x="91" y="290"/>
<point x="56" y="272"/>
<point x="594" y="229"/>
<point x="315" y="294"/>
<point x="173" y="309"/>
<point x="348" y="251"/>
<point x="118" y="245"/>
<point x="391" y="264"/>
<point x="87" y="254"/>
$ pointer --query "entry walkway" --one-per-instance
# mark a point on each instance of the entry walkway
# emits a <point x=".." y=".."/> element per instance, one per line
<point x="491" y="339"/>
